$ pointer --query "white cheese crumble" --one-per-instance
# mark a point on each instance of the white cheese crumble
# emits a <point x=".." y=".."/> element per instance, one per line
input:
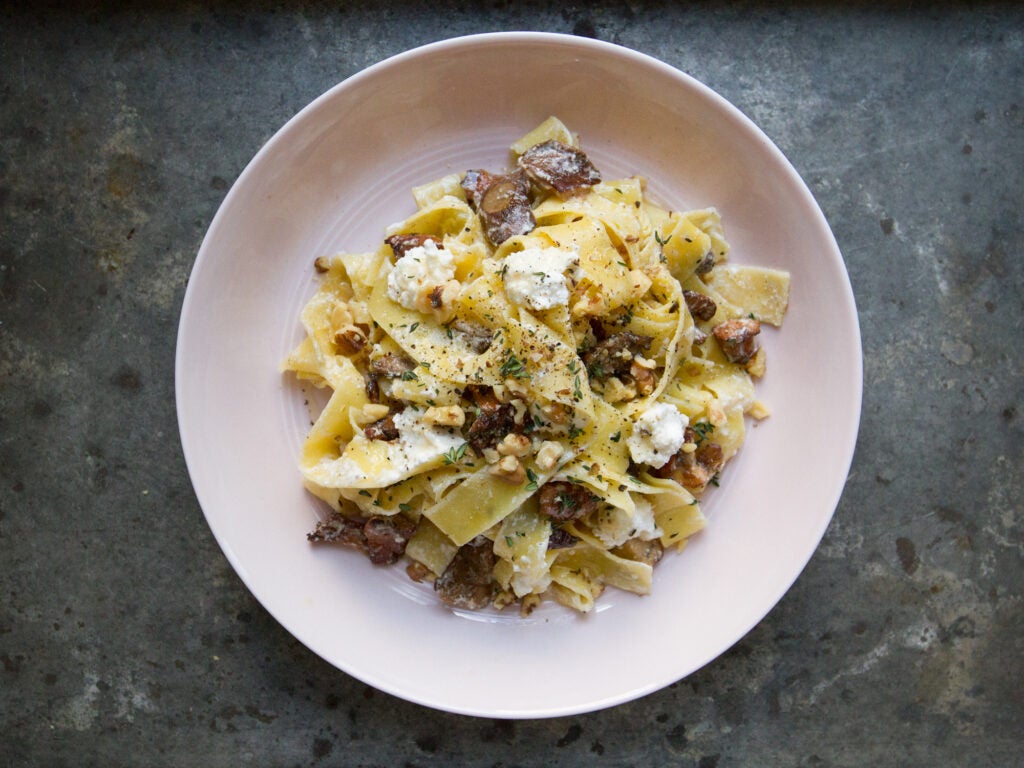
<point x="419" y="271"/>
<point x="658" y="433"/>
<point x="614" y="526"/>
<point x="535" y="277"/>
<point x="530" y="573"/>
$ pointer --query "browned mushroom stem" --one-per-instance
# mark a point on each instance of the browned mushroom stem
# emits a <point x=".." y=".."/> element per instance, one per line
<point x="737" y="339"/>
<point x="613" y="356"/>
<point x="702" y="307"/>
<point x="468" y="581"/>
<point x="557" y="166"/>
<point x="563" y="501"/>
<point x="401" y="244"/>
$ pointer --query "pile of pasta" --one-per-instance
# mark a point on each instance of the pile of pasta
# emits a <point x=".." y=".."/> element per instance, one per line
<point x="392" y="453"/>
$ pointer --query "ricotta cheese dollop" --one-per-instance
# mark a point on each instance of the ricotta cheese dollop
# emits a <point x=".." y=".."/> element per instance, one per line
<point x="419" y="271"/>
<point x="535" y="277"/>
<point x="658" y="433"/>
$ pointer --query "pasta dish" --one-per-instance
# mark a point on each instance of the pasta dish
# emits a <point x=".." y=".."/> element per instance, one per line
<point x="533" y="380"/>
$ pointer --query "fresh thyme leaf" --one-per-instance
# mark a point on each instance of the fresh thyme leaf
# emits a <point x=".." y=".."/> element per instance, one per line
<point x="454" y="455"/>
<point x="409" y="376"/>
<point x="514" y="367"/>
<point x="532" y="477"/>
<point x="616" y="437"/>
<point x="413" y="327"/>
<point x="509" y="541"/>
<point x="704" y="430"/>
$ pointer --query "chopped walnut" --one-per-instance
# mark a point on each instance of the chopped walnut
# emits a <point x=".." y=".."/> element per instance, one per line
<point x="514" y="445"/>
<point x="548" y="455"/>
<point x="510" y="470"/>
<point x="350" y="341"/>
<point x="759" y="410"/>
<point x="644" y="378"/>
<point x="618" y="391"/>
<point x="445" y="416"/>
<point x="758" y="364"/>
<point x="556" y="413"/>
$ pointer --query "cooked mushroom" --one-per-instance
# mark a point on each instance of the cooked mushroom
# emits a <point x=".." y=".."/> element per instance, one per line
<point x="563" y="501"/>
<point x="737" y="338"/>
<point x="641" y="551"/>
<point x="504" y="207"/>
<point x="382" y="538"/>
<point x="383" y="429"/>
<point x="613" y="356"/>
<point x="702" y="307"/>
<point x="477" y="337"/>
<point x="694" y="468"/>
<point x="468" y="581"/>
<point x="401" y="244"/>
<point x="391" y="366"/>
<point x="557" y="166"/>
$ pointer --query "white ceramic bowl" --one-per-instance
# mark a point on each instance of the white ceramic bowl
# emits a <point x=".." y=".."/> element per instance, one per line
<point x="331" y="179"/>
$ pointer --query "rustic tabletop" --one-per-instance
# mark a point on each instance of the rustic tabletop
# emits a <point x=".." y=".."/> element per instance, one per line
<point x="126" y="637"/>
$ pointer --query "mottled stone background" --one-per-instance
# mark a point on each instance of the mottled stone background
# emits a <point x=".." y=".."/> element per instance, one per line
<point x="126" y="638"/>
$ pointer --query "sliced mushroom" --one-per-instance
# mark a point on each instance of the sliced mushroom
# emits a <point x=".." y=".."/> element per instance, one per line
<point x="381" y="538"/>
<point x="613" y="356"/>
<point x="504" y="208"/>
<point x="468" y="581"/>
<point x="563" y="501"/>
<point x="475" y="183"/>
<point x="702" y="307"/>
<point x="561" y="539"/>
<point x="386" y="537"/>
<point x="384" y="429"/>
<point x="477" y="337"/>
<point x="391" y="366"/>
<point x="557" y="166"/>
<point x="490" y="427"/>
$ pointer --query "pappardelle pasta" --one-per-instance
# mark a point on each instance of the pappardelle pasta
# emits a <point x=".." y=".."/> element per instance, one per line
<point x="532" y="381"/>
